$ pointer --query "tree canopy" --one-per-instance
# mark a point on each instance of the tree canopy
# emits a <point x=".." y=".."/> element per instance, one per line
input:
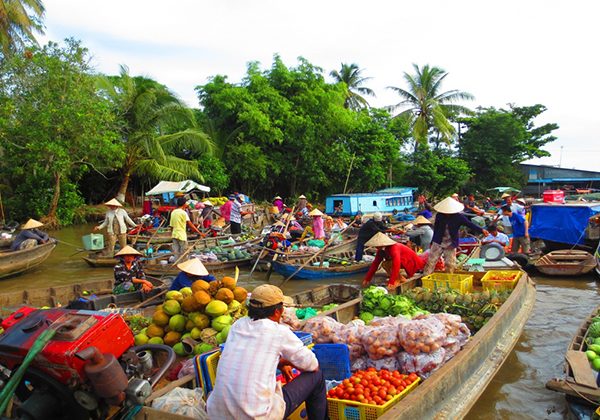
<point x="19" y="19"/>
<point x="350" y="75"/>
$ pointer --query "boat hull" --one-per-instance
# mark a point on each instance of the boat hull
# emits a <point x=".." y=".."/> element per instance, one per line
<point x="13" y="263"/>
<point x="566" y="263"/>
<point x="316" y="273"/>
<point x="157" y="269"/>
<point x="97" y="260"/>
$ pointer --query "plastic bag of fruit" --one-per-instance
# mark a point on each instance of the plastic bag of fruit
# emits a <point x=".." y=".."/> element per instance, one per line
<point x="289" y="318"/>
<point x="359" y="364"/>
<point x="323" y="329"/>
<point x="422" y="364"/>
<point x="451" y="322"/>
<point x="350" y="335"/>
<point x="393" y="321"/>
<point x="381" y="342"/>
<point x="425" y="335"/>
<point x="389" y="363"/>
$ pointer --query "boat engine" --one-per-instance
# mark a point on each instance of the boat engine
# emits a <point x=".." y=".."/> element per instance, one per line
<point x="88" y="366"/>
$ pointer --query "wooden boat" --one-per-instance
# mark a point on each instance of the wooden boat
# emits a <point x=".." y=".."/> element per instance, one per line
<point x="568" y="384"/>
<point x="94" y="294"/>
<point x="597" y="258"/>
<point x="97" y="259"/>
<point x="154" y="266"/>
<point x="5" y="242"/>
<point x="17" y="262"/>
<point x="325" y="295"/>
<point x="316" y="270"/>
<point x="566" y="263"/>
<point x="451" y="391"/>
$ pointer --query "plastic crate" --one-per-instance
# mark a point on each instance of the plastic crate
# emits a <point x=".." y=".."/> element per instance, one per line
<point x="93" y="241"/>
<point x="500" y="285"/>
<point x="299" y="414"/>
<point x="306" y="338"/>
<point x="352" y="410"/>
<point x="461" y="282"/>
<point x="334" y="360"/>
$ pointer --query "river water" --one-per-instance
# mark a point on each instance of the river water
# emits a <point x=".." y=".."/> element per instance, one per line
<point x="517" y="391"/>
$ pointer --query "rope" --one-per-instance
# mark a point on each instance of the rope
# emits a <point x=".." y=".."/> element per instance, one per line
<point x="582" y="396"/>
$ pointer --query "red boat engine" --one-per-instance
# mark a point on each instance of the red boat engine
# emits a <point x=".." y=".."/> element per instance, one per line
<point x="89" y="364"/>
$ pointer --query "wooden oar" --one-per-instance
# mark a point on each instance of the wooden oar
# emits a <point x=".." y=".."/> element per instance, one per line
<point x="313" y="257"/>
<point x="287" y="224"/>
<point x="154" y="234"/>
<point x="139" y="305"/>
<point x="137" y="235"/>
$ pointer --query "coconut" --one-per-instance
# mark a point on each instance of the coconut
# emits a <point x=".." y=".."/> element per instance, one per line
<point x="156" y="340"/>
<point x="229" y="282"/>
<point x="190" y="304"/>
<point x="171" y="338"/>
<point x="216" y="308"/>
<point x="174" y="295"/>
<point x="177" y="323"/>
<point x="240" y="294"/>
<point x="154" y="331"/>
<point x="202" y="297"/>
<point x="160" y="318"/>
<point x="224" y="295"/>
<point x="171" y="307"/>
<point x="200" y="285"/>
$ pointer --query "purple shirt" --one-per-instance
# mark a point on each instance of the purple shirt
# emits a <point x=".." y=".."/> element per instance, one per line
<point x="452" y="222"/>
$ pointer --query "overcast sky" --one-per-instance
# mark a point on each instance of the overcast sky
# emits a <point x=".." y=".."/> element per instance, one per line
<point x="523" y="52"/>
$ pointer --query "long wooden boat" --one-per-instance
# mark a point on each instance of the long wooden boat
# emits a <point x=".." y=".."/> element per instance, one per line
<point x="155" y="268"/>
<point x="325" y="295"/>
<point x="93" y="294"/>
<point x="566" y="263"/>
<point x="568" y="384"/>
<point x="340" y="264"/>
<point x="451" y="391"/>
<point x="13" y="263"/>
<point x="98" y="259"/>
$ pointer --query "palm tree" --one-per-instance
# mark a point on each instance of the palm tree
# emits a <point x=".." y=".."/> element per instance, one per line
<point x="155" y="126"/>
<point x="351" y="76"/>
<point x="428" y="107"/>
<point x="19" y="19"/>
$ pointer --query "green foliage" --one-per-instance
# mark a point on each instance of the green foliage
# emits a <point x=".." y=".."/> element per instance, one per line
<point x="350" y="76"/>
<point x="214" y="172"/>
<point x="496" y="141"/>
<point x="436" y="172"/>
<point x="287" y="130"/>
<point x="19" y="19"/>
<point x="428" y="108"/>
<point x="53" y="128"/>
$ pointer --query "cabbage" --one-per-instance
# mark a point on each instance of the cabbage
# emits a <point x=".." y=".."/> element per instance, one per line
<point x="366" y="317"/>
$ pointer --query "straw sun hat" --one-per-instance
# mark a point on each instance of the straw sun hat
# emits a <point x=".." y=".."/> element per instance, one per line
<point x="113" y="202"/>
<point x="302" y="196"/>
<point x="505" y="195"/>
<point x="449" y="206"/>
<point x="421" y="221"/>
<point x="315" y="212"/>
<point x="380" y="239"/>
<point x="194" y="267"/>
<point x="32" y="224"/>
<point x="127" y="251"/>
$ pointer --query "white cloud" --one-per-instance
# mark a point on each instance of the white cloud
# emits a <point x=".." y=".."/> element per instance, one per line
<point x="525" y="52"/>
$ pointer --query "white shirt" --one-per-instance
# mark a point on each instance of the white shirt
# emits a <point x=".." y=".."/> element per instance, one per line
<point x="122" y="218"/>
<point x="236" y="212"/>
<point x="245" y="387"/>
<point x="500" y="237"/>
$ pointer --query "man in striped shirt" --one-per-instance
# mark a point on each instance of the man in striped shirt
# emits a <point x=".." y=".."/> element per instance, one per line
<point x="257" y="345"/>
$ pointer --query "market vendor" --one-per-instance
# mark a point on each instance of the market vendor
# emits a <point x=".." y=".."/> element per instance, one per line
<point x="495" y="236"/>
<point x="366" y="232"/>
<point x="115" y="221"/>
<point x="471" y="208"/>
<point x="29" y="236"/>
<point x="393" y="257"/>
<point x="236" y="215"/>
<point x="514" y="208"/>
<point x="422" y="231"/>
<point x="520" y="230"/>
<point x="179" y="222"/>
<point x="317" y="223"/>
<point x="258" y="345"/>
<point x="129" y="275"/>
<point x="206" y="215"/>
<point x="191" y="270"/>
<point x="302" y="207"/>
<point x="278" y="202"/>
<point x="448" y="222"/>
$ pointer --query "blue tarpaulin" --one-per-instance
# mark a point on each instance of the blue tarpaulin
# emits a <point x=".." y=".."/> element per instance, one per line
<point x="561" y="223"/>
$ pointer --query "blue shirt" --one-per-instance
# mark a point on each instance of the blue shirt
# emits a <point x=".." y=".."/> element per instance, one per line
<point x="518" y="225"/>
<point x="425" y="213"/>
<point x="185" y="280"/>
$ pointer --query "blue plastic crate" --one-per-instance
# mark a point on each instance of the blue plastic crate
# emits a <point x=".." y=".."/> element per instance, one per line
<point x="334" y="361"/>
<point x="306" y="338"/>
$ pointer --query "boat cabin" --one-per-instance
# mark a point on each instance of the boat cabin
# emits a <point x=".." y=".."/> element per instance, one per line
<point x="384" y="201"/>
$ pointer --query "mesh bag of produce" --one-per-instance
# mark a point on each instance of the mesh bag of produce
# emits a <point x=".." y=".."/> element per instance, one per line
<point x="422" y="364"/>
<point x="381" y="342"/>
<point x="392" y="321"/>
<point x="350" y="335"/>
<point x="322" y="328"/>
<point x="359" y="364"/>
<point x="289" y="318"/>
<point x="424" y="335"/>
<point x="451" y="322"/>
<point x="389" y="363"/>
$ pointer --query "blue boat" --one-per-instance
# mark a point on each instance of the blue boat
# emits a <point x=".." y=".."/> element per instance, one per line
<point x="563" y="223"/>
<point x="384" y="201"/>
<point x="320" y="272"/>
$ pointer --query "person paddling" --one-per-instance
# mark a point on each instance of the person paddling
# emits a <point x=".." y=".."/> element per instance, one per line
<point x="29" y="236"/>
<point x="115" y="222"/>
<point x="129" y="275"/>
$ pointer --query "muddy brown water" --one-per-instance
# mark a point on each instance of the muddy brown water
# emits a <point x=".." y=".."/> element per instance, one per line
<point x="517" y="391"/>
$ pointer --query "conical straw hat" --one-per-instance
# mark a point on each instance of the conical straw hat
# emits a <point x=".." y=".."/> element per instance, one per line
<point x="127" y="251"/>
<point x="449" y="206"/>
<point x="315" y="212"/>
<point x="302" y="196"/>
<point x="194" y="267"/>
<point x="421" y="221"/>
<point x="380" y="239"/>
<point x="505" y="195"/>
<point x="279" y="223"/>
<point x="32" y="224"/>
<point x="207" y="203"/>
<point x="113" y="202"/>
<point x="277" y="198"/>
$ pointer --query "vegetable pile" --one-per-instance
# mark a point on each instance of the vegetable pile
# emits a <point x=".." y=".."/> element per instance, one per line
<point x="377" y="302"/>
<point x="475" y="309"/>
<point x="593" y="344"/>
<point x="372" y="387"/>
<point x="201" y="315"/>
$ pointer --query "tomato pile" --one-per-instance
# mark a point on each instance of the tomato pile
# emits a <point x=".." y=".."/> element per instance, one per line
<point x="502" y="277"/>
<point x="372" y="386"/>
